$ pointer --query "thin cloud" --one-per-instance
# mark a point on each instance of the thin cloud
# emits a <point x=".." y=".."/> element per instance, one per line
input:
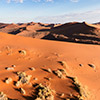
<point x="89" y="16"/>
<point x="21" y="1"/>
<point x="74" y="0"/>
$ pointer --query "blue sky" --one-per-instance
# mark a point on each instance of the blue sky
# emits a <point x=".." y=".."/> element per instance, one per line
<point x="49" y="11"/>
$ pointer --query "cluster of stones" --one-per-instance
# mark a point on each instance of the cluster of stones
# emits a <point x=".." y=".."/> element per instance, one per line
<point x="43" y="93"/>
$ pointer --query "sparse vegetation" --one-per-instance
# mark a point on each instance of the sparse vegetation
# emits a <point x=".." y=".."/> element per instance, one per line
<point x="61" y="73"/>
<point x="83" y="92"/>
<point x="43" y="93"/>
<point x="3" y="96"/>
<point x="23" y="78"/>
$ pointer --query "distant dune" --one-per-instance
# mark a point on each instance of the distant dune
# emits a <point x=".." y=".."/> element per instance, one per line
<point x="72" y="32"/>
<point x="66" y="71"/>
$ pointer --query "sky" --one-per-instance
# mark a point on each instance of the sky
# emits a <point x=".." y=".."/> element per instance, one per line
<point x="49" y="11"/>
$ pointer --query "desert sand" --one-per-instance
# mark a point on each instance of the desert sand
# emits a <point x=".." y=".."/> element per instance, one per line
<point x="70" y="70"/>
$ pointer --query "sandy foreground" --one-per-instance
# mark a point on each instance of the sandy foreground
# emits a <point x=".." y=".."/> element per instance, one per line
<point x="46" y="57"/>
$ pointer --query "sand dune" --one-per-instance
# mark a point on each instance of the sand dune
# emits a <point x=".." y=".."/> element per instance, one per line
<point x="42" y="59"/>
<point x="70" y="32"/>
<point x="76" y="32"/>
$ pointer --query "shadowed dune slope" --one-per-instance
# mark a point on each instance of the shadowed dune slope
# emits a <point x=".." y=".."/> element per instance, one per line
<point x="70" y="32"/>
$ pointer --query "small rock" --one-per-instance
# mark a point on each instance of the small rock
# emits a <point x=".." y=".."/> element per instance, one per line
<point x="8" y="54"/>
<point x="13" y="65"/>
<point x="58" y="73"/>
<point x="35" y="79"/>
<point x="63" y="71"/>
<point x="92" y="65"/>
<point x="22" y="52"/>
<point x="38" y="99"/>
<point x="70" y="95"/>
<point x="7" y="47"/>
<point x="32" y="68"/>
<point x="63" y="63"/>
<point x="67" y="99"/>
<point x="49" y="79"/>
<point x="49" y="70"/>
<point x="62" y="95"/>
<point x="18" y="83"/>
<point x="9" y="68"/>
<point x="22" y="91"/>
<point x="81" y="65"/>
<point x="50" y="97"/>
<point x="8" y="80"/>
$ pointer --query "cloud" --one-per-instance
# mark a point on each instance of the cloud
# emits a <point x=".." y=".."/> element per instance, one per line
<point x="36" y="0"/>
<point x="49" y="0"/>
<point x="74" y="0"/>
<point x="42" y="0"/>
<point x="20" y="1"/>
<point x="89" y="16"/>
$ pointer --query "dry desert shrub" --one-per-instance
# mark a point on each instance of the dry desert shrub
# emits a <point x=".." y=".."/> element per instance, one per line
<point x="23" y="78"/>
<point x="61" y="73"/>
<point x="3" y="96"/>
<point x="43" y="93"/>
<point x="83" y="91"/>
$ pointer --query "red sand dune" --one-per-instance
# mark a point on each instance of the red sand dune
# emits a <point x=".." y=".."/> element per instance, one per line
<point x="76" y="32"/>
<point x="72" y="32"/>
<point x="44" y="54"/>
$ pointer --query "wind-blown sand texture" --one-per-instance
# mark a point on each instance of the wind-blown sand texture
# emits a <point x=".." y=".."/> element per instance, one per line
<point x="69" y="70"/>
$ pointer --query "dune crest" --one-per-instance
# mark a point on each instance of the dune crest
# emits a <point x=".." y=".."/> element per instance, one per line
<point x="70" y="32"/>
